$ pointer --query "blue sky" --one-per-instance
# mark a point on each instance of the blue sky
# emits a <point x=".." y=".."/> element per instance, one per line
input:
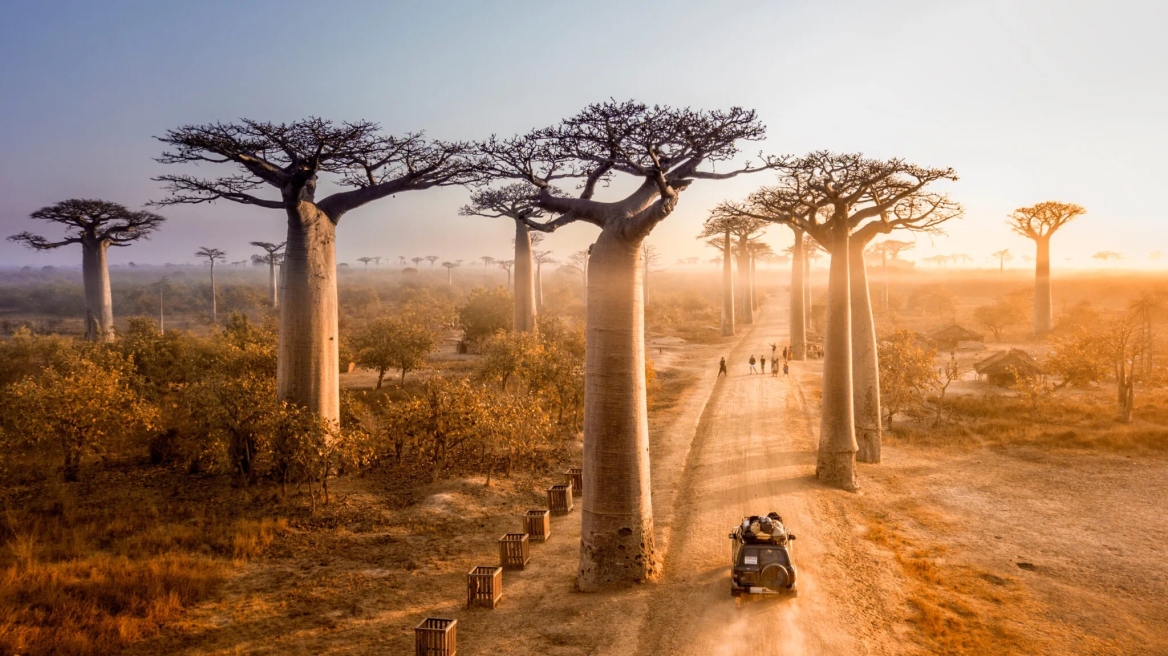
<point x="1028" y="100"/>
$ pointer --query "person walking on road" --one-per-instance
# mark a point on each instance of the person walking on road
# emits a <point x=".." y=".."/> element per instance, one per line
<point x="775" y="368"/>
<point x="722" y="367"/>
<point x="785" y="358"/>
<point x="752" y="363"/>
<point x="762" y="369"/>
<point x="786" y="369"/>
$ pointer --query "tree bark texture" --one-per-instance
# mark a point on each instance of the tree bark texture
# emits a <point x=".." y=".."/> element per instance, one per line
<point x="865" y="362"/>
<point x="743" y="310"/>
<point x="616" y="544"/>
<point x="524" y="303"/>
<point x="1043" y="305"/>
<point x="99" y="307"/>
<point x="835" y="464"/>
<point x="798" y="298"/>
<point x="727" y="288"/>
<point x="308" y="370"/>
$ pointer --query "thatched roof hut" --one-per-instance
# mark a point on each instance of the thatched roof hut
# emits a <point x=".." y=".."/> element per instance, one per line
<point x="1004" y="367"/>
<point x="950" y="336"/>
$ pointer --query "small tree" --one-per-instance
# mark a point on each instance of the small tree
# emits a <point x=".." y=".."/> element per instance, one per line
<point x="486" y="312"/>
<point x="390" y="342"/>
<point x="431" y="259"/>
<point x="907" y="373"/>
<point x="95" y="225"/>
<point x="999" y="315"/>
<point x="213" y="255"/>
<point x="417" y="260"/>
<point x="83" y="403"/>
<point x="366" y="261"/>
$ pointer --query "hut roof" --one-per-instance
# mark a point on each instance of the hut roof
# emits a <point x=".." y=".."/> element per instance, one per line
<point x="956" y="333"/>
<point x="1003" y="362"/>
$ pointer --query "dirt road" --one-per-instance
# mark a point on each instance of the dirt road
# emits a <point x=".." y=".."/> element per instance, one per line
<point x="754" y="453"/>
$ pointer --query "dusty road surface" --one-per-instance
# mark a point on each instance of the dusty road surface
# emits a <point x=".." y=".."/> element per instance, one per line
<point x="754" y="453"/>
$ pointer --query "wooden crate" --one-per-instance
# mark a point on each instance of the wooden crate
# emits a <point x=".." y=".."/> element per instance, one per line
<point x="436" y="636"/>
<point x="537" y="524"/>
<point x="560" y="499"/>
<point x="514" y="550"/>
<point x="484" y="586"/>
<point x="576" y="478"/>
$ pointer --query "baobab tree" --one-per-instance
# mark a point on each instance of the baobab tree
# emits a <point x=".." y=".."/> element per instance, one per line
<point x="401" y="260"/>
<point x="515" y="202"/>
<point x="759" y="250"/>
<point x="649" y="257"/>
<point x="289" y="159"/>
<point x="1107" y="256"/>
<point x="1039" y="223"/>
<point x="831" y="196"/>
<point x="95" y="225"/>
<point x="273" y="257"/>
<point x="213" y="255"/>
<point x="663" y="148"/>
<point x="366" y="261"/>
<point x="541" y="258"/>
<point x="417" y="261"/>
<point x="1002" y="256"/>
<point x="450" y="267"/>
<point x="579" y="260"/>
<point x="506" y="265"/>
<point x="161" y="285"/>
<point x="889" y="249"/>
<point x="745" y="228"/>
<point x="717" y="232"/>
<point x="432" y="259"/>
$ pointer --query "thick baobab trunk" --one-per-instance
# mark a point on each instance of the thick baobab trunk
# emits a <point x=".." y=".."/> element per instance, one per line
<point x="161" y="312"/>
<point x="616" y="543"/>
<point x="806" y="293"/>
<point x="214" y="306"/>
<point x="753" y="284"/>
<point x="1043" y="306"/>
<point x="524" y="319"/>
<point x="538" y="288"/>
<point x="743" y="310"/>
<point x="865" y="363"/>
<point x="273" y="288"/>
<point x="99" y="307"/>
<point x="798" y="337"/>
<point x="884" y="270"/>
<point x="727" y="288"/>
<point x="307" y="372"/>
<point x="837" y="437"/>
<point x="449" y="275"/>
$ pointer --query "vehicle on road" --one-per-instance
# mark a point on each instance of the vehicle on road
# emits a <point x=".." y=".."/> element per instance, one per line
<point x="761" y="557"/>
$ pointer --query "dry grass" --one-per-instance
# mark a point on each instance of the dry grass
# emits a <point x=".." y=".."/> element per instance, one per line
<point x="957" y="608"/>
<point x="1078" y="420"/>
<point x="93" y="567"/>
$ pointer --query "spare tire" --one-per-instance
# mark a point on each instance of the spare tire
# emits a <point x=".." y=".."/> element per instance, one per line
<point x="775" y="577"/>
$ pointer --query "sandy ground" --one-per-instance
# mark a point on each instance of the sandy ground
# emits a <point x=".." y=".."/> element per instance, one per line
<point x="1040" y="552"/>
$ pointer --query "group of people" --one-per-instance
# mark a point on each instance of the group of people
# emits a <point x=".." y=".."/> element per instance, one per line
<point x="759" y="365"/>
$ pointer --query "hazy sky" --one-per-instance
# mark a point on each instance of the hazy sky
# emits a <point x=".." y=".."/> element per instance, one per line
<point x="1028" y="100"/>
